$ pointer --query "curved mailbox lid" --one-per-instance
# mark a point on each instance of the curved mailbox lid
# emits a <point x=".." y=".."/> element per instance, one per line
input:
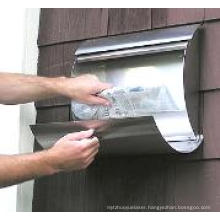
<point x="137" y="40"/>
<point x="131" y="136"/>
<point x="169" y="55"/>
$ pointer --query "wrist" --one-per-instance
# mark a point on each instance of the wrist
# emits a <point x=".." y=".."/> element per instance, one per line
<point x="46" y="161"/>
<point x="55" y="85"/>
<point x="59" y="85"/>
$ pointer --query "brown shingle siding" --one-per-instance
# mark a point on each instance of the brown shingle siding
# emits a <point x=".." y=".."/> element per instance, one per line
<point x="210" y="66"/>
<point x="184" y="16"/>
<point x="211" y="124"/>
<point x="158" y="17"/>
<point x="53" y="114"/>
<point x="197" y="184"/>
<point x="61" y="25"/>
<point x="128" y="20"/>
<point x="162" y="17"/>
<point x="212" y="13"/>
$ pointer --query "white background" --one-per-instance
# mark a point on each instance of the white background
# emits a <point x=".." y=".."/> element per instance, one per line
<point x="18" y="54"/>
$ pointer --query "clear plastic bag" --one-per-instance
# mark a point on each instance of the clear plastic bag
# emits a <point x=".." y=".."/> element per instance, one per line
<point x="127" y="102"/>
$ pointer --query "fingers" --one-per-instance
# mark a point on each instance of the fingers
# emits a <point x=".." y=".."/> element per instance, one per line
<point x="89" y="162"/>
<point x="92" y="154"/>
<point x="91" y="151"/>
<point x="90" y="143"/>
<point x="79" y="135"/>
<point x="97" y="100"/>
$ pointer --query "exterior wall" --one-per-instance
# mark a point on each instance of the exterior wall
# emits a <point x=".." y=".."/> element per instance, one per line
<point x="28" y="111"/>
<point x="149" y="181"/>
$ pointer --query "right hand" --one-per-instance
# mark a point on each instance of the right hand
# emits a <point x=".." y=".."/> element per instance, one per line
<point x="84" y="88"/>
<point x="74" y="151"/>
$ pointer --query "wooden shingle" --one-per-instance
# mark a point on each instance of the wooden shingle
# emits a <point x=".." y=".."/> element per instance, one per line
<point x="162" y="17"/>
<point x="212" y="13"/>
<point x="210" y="65"/>
<point x="61" y="25"/>
<point x="128" y="20"/>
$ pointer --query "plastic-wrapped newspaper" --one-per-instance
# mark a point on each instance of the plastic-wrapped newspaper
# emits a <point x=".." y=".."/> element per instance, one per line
<point x="127" y="102"/>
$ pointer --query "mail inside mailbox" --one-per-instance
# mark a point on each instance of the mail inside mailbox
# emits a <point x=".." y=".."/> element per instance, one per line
<point x="127" y="102"/>
<point x="142" y="87"/>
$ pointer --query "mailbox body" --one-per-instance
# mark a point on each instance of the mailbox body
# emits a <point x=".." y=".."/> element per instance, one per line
<point x="160" y="69"/>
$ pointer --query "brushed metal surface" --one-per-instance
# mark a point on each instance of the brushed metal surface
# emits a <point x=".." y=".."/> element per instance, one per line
<point x="132" y="52"/>
<point x="131" y="136"/>
<point x="145" y="38"/>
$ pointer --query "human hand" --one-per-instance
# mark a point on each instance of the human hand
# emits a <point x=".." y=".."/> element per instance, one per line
<point x="74" y="151"/>
<point x="84" y="88"/>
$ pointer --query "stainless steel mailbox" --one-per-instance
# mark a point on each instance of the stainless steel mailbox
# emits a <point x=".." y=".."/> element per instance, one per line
<point x="155" y="75"/>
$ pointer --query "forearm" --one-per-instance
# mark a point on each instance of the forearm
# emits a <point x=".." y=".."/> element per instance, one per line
<point x="18" y="168"/>
<point x="19" y="88"/>
<point x="74" y="151"/>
